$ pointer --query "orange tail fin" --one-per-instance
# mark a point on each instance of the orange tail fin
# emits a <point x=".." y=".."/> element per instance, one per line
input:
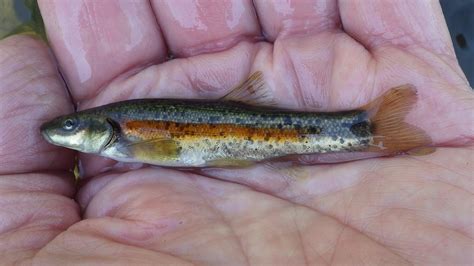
<point x="391" y="133"/>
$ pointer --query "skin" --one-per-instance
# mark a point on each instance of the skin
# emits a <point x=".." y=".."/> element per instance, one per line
<point x="402" y="210"/>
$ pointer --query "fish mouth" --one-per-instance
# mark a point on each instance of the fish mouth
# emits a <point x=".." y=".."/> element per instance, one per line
<point x="44" y="132"/>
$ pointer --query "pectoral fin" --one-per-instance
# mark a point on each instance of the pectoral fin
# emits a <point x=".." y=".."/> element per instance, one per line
<point x="161" y="149"/>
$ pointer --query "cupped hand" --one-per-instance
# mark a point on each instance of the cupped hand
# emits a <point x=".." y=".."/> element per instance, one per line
<point x="321" y="55"/>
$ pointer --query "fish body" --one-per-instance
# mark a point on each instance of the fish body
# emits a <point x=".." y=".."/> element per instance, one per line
<point x="200" y="133"/>
<point x="203" y="133"/>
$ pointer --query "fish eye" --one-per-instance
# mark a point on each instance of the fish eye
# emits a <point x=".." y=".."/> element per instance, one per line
<point x="69" y="124"/>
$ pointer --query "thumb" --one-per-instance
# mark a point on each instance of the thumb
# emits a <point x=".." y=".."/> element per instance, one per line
<point x="31" y="93"/>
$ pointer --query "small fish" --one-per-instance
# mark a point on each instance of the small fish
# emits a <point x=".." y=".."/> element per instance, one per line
<point x="237" y="130"/>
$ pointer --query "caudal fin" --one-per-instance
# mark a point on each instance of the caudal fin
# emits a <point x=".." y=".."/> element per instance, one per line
<point x="387" y="114"/>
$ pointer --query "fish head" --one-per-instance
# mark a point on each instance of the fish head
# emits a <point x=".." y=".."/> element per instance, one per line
<point x="82" y="132"/>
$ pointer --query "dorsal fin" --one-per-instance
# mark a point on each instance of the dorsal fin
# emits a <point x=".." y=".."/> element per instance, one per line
<point x="252" y="91"/>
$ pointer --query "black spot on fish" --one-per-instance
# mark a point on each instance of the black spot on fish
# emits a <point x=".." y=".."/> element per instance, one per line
<point x="279" y="126"/>
<point x="200" y="119"/>
<point x="349" y="144"/>
<point x="361" y="129"/>
<point x="334" y="138"/>
<point x="287" y="120"/>
<point x="238" y="120"/>
<point x="314" y="130"/>
<point x="297" y="126"/>
<point x="341" y="140"/>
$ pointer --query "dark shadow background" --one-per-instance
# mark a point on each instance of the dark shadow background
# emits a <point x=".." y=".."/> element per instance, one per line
<point x="459" y="16"/>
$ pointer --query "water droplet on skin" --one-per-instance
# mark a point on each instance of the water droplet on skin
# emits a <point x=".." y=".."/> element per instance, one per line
<point x="284" y="8"/>
<point x="135" y="24"/>
<point x="73" y="42"/>
<point x="234" y="13"/>
<point x="187" y="15"/>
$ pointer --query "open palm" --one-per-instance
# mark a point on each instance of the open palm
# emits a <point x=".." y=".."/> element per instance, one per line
<point x="327" y="55"/>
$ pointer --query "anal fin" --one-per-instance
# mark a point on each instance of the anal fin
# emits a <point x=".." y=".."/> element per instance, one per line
<point x="421" y="151"/>
<point x="230" y="163"/>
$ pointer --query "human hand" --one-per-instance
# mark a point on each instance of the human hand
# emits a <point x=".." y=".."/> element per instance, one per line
<point x="399" y="210"/>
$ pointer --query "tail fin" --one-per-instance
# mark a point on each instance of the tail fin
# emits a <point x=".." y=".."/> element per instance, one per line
<point x="386" y="114"/>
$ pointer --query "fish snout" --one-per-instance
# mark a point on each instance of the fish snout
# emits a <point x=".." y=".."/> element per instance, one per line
<point x="45" y="132"/>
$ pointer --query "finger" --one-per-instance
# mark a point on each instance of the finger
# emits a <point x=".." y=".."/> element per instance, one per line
<point x="94" y="41"/>
<point x="282" y="18"/>
<point x="303" y="65"/>
<point x="202" y="76"/>
<point x="32" y="92"/>
<point x="402" y="23"/>
<point x="193" y="27"/>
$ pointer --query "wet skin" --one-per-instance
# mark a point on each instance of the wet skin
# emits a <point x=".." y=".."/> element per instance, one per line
<point x="401" y="210"/>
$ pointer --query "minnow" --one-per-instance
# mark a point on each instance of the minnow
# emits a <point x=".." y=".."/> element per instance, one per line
<point x="235" y="130"/>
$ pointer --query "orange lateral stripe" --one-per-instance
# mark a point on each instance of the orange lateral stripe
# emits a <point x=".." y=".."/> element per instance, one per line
<point x="166" y="129"/>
